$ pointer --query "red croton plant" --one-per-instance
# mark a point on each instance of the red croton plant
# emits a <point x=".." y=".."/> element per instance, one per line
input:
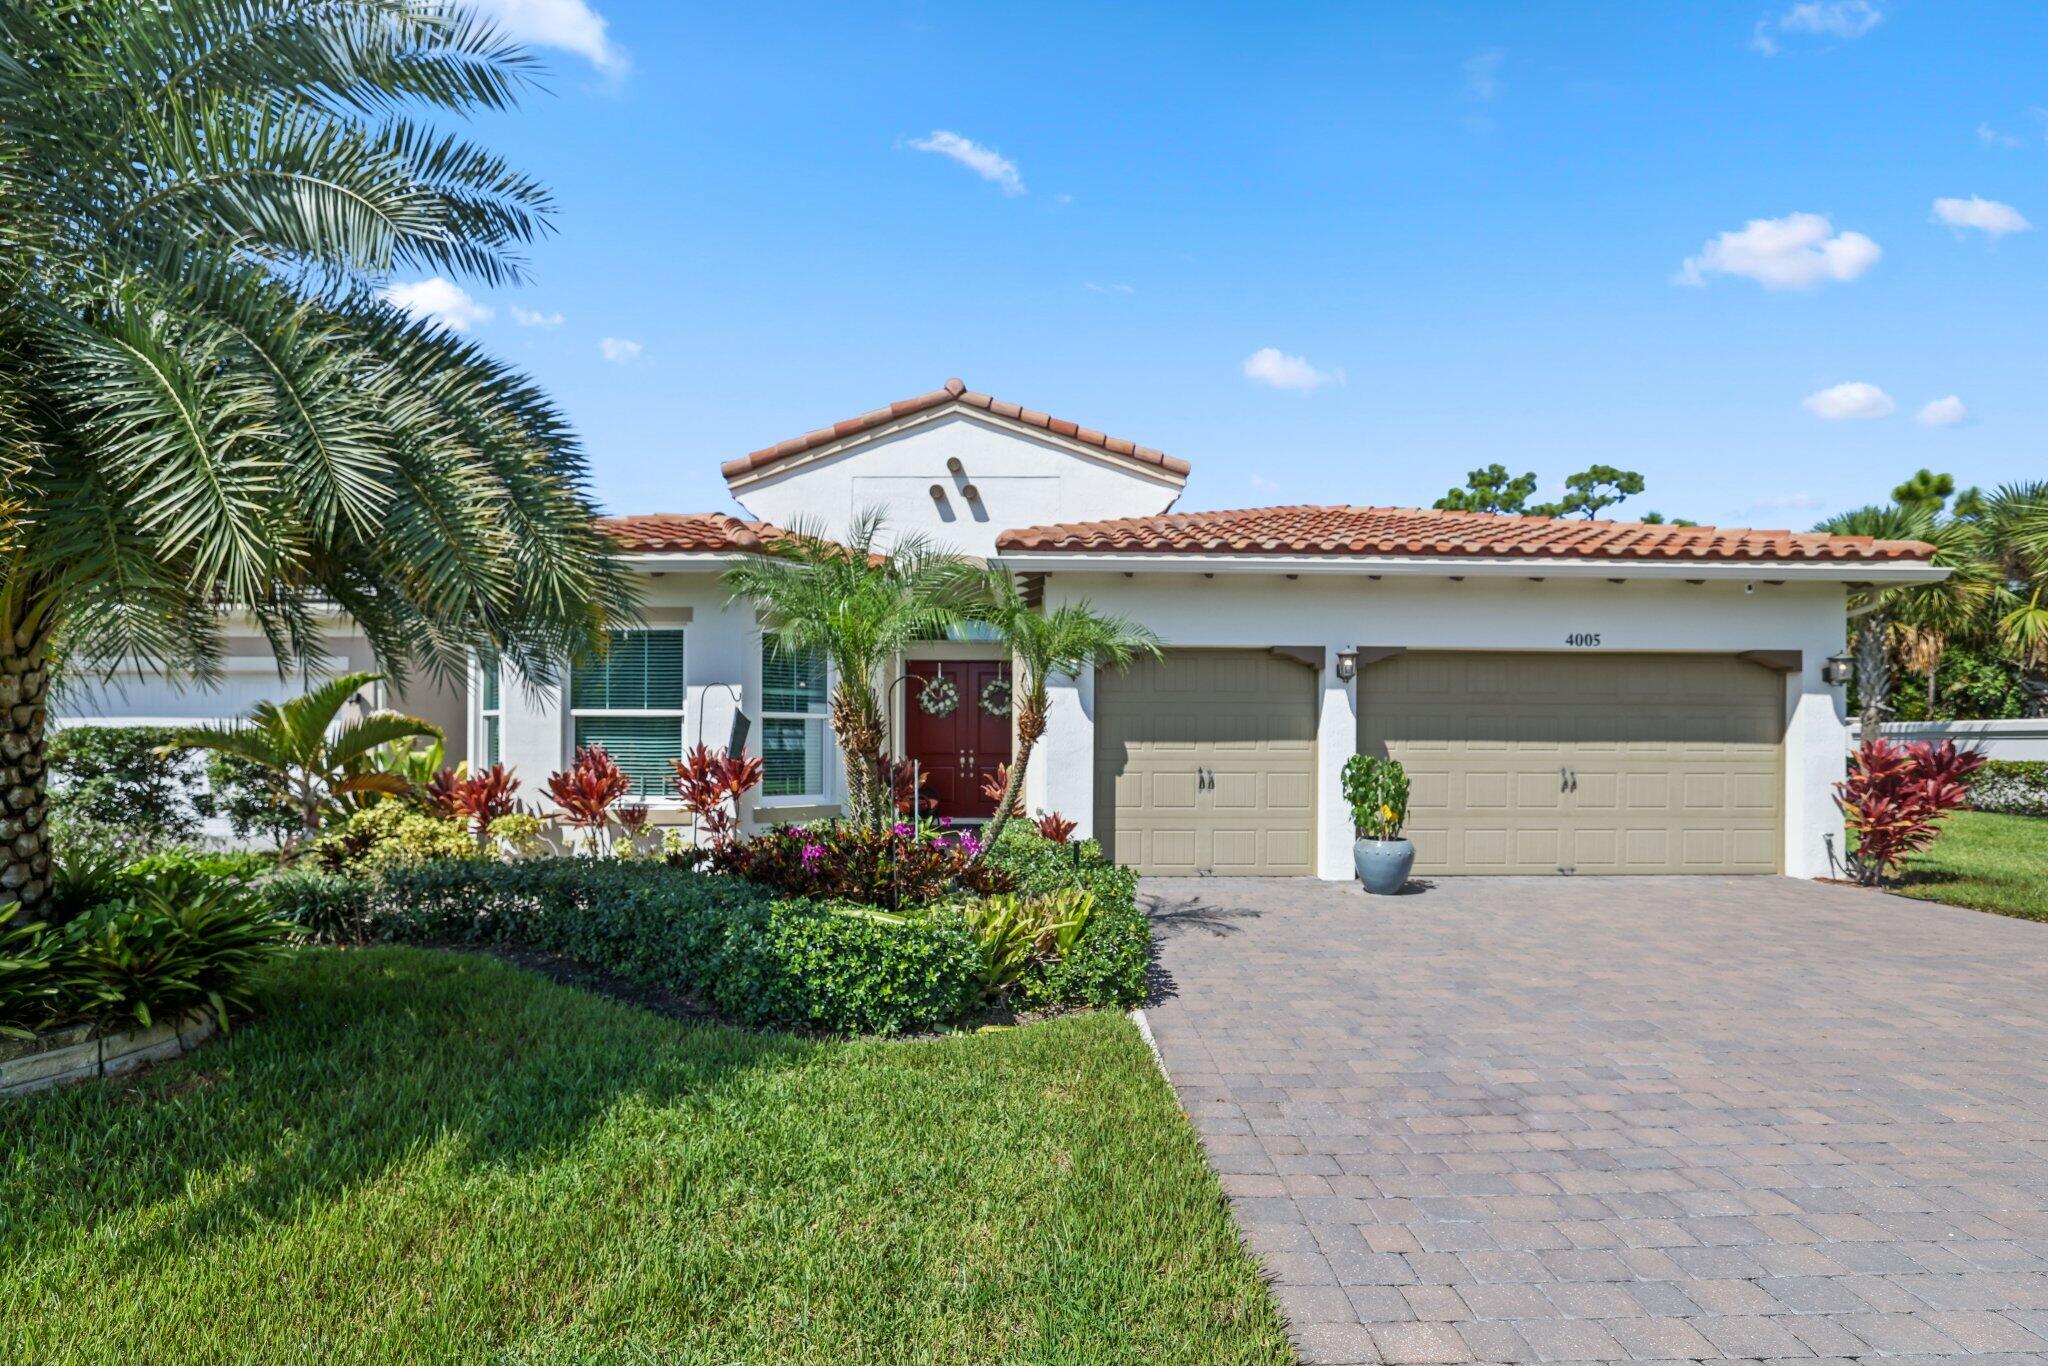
<point x="1054" y="826"/>
<point x="587" y="790"/>
<point x="478" y="798"/>
<point x="709" y="786"/>
<point x="1895" y="798"/>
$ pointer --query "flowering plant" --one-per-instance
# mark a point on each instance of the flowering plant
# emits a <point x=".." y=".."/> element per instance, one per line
<point x="1377" y="791"/>
<point x="897" y="867"/>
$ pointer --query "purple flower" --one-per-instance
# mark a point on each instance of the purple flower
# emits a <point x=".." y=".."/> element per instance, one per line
<point x="945" y="821"/>
<point x="970" y="844"/>
<point x="812" y="853"/>
<point x="901" y="831"/>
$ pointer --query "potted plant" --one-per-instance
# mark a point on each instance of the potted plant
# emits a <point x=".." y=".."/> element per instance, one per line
<point x="1377" y="790"/>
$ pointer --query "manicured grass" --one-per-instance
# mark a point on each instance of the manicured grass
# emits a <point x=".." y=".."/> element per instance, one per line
<point x="421" y="1155"/>
<point x="1986" y="861"/>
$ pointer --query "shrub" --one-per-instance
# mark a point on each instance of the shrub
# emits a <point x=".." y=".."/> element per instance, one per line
<point x="174" y="940"/>
<point x="2014" y="787"/>
<point x="1055" y="827"/>
<point x="757" y="960"/>
<point x="587" y="790"/>
<point x="1110" y="962"/>
<point x="390" y="834"/>
<point x="326" y="908"/>
<point x="710" y="786"/>
<point x="1377" y="791"/>
<point x="1895" y="798"/>
<point x="1018" y="934"/>
<point x="896" y="867"/>
<point x="248" y="797"/>
<point x="110" y="785"/>
<point x="478" y="798"/>
<point x="518" y="834"/>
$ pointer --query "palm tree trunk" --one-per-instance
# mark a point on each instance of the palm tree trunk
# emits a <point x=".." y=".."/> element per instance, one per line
<point x="24" y="779"/>
<point x="1030" y="728"/>
<point x="858" y="727"/>
<point x="1873" y="673"/>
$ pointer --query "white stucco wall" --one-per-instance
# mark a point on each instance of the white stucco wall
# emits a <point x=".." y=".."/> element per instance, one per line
<point x="721" y="674"/>
<point x="1339" y="612"/>
<point x="1023" y="479"/>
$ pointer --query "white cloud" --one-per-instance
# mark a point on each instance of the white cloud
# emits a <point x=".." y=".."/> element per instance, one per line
<point x="1845" y="19"/>
<point x="1482" y="73"/>
<point x="1943" y="412"/>
<point x="1094" y="288"/>
<point x="441" y="300"/>
<point x="1268" y="365"/>
<point x="1991" y="137"/>
<point x="620" y="351"/>
<point x="1989" y="215"/>
<point x="1797" y="251"/>
<point x="985" y="162"/>
<point x="571" y="25"/>
<point x="528" y="318"/>
<point x="1263" y="484"/>
<point x="1851" y="402"/>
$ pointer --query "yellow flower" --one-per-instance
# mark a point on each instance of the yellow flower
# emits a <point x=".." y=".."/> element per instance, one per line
<point x="1386" y="812"/>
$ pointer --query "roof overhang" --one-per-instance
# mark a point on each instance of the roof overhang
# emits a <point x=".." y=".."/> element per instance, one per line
<point x="1500" y="567"/>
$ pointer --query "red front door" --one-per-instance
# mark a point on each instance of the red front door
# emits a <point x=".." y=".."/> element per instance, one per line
<point x="956" y="739"/>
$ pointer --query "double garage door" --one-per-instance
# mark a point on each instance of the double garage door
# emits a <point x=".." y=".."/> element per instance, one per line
<point x="1521" y="763"/>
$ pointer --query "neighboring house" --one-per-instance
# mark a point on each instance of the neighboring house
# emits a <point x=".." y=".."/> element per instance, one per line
<point x="1569" y="696"/>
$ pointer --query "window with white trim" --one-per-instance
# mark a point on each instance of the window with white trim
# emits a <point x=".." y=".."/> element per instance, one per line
<point x="492" y="708"/>
<point x="631" y="703"/>
<point x="793" y="722"/>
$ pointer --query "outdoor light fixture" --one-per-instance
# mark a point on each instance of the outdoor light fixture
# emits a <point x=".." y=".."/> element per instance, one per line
<point x="1838" y="670"/>
<point x="1347" y="664"/>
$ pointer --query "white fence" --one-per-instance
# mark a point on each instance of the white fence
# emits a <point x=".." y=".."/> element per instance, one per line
<point x="1994" y="739"/>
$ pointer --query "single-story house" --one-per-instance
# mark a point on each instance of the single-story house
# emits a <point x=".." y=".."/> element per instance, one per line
<point x="1568" y="696"/>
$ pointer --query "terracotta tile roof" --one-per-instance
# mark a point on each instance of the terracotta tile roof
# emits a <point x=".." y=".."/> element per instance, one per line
<point x="954" y="391"/>
<point x="685" y="532"/>
<point x="1308" y="530"/>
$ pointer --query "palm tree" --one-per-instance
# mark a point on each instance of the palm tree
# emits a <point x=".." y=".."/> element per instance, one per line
<point x="1915" y="619"/>
<point x="2015" y="532"/>
<point x="1065" y="640"/>
<point x="317" y="763"/>
<point x="858" y="606"/>
<point x="208" y="408"/>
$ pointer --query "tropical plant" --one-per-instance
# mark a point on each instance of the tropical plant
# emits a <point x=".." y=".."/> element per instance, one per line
<point x="1018" y="934"/>
<point x="896" y="867"/>
<point x="996" y="787"/>
<point x="519" y="835"/>
<point x="858" y="605"/>
<point x="1895" y="799"/>
<point x="419" y="765"/>
<point x="2014" y="524"/>
<point x="710" y="786"/>
<point x="320" y="763"/>
<point x="1376" y="789"/>
<point x="391" y="834"/>
<point x="1056" y="827"/>
<point x="478" y="798"/>
<point x="210" y="407"/>
<point x="1043" y="642"/>
<point x="587" y="790"/>
<point x="117" y="779"/>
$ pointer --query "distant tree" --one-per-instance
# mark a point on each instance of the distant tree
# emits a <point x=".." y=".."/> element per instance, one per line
<point x="1659" y="519"/>
<point x="1589" y="492"/>
<point x="1490" y="490"/>
<point x="1926" y="491"/>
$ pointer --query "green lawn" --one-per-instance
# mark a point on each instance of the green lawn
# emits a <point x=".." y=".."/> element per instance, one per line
<point x="419" y="1155"/>
<point x="1988" y="862"/>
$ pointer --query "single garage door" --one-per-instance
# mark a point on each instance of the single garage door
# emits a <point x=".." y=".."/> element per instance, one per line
<point x="1205" y="762"/>
<point x="1544" y="763"/>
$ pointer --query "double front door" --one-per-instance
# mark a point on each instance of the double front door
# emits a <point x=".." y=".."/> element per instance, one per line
<point x="957" y="726"/>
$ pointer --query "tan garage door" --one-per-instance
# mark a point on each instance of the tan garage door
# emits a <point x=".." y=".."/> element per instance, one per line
<point x="1542" y="763"/>
<point x="1205" y="762"/>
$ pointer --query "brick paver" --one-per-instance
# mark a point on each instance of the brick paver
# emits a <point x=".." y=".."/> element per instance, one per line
<point x="1620" y="1119"/>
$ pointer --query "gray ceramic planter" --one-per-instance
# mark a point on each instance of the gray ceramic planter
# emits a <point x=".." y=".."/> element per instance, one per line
<point x="1383" y="865"/>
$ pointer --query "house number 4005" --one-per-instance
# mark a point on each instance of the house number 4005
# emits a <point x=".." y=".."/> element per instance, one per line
<point x="1583" y="638"/>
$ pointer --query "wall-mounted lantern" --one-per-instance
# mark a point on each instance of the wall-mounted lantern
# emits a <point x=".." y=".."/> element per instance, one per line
<point x="1347" y="664"/>
<point x="1837" y="672"/>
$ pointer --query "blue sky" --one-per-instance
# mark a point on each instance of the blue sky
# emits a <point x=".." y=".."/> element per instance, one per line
<point x="1326" y="253"/>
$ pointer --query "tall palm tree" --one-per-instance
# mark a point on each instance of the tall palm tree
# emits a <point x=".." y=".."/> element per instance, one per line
<point x="1928" y="611"/>
<point x="1065" y="640"/>
<point x="207" y="407"/>
<point x="858" y="605"/>
<point x="317" y="762"/>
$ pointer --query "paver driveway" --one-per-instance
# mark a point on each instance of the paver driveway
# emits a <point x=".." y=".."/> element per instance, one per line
<point x="1620" y="1119"/>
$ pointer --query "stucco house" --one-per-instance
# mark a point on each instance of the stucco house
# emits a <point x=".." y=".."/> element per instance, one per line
<point x="1569" y="696"/>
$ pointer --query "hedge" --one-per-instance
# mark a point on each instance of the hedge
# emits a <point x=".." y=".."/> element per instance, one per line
<point x="1111" y="963"/>
<point x="2014" y="787"/>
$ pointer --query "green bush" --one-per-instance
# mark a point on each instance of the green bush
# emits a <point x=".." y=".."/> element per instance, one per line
<point x="111" y="790"/>
<point x="1111" y="962"/>
<point x="168" y="941"/>
<point x="327" y="908"/>
<point x="841" y="968"/>
<point x="2014" y="787"/>
<point x="246" y="795"/>
<point x="391" y="834"/>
